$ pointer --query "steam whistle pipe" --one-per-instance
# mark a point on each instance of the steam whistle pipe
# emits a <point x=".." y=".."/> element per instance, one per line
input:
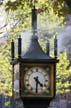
<point x="55" y="47"/>
<point x="48" y="48"/>
<point x="12" y="50"/>
<point x="34" y="19"/>
<point x="19" y="46"/>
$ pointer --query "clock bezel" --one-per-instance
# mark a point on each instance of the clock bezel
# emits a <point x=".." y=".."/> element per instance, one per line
<point x="34" y="93"/>
<point x="52" y="79"/>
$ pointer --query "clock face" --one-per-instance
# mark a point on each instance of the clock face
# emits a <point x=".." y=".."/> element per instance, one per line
<point x="36" y="80"/>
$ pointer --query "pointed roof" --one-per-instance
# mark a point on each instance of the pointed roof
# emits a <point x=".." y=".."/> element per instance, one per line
<point x="35" y="51"/>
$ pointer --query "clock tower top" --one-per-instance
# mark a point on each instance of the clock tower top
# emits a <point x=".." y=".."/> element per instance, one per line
<point x="36" y="71"/>
<point x="35" y="52"/>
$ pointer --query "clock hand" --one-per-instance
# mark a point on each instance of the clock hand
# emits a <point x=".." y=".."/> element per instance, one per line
<point x="40" y="83"/>
<point x="37" y="80"/>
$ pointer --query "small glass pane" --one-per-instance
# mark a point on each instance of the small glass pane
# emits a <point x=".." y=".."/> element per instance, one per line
<point x="16" y="81"/>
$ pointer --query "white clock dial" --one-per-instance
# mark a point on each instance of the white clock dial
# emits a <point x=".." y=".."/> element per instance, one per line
<point x="36" y="80"/>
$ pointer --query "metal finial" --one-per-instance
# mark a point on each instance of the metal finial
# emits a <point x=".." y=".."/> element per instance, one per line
<point x="19" y="46"/>
<point x="55" y="47"/>
<point x="12" y="50"/>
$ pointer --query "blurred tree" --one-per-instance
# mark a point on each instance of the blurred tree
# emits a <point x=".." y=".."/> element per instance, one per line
<point x="5" y="75"/>
<point x="19" y="18"/>
<point x="63" y="72"/>
<point x="15" y="4"/>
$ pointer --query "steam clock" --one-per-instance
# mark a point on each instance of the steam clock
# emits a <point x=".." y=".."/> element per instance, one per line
<point x="35" y="70"/>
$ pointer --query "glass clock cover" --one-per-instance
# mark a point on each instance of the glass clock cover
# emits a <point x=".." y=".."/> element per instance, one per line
<point x="16" y="80"/>
<point x="36" y="80"/>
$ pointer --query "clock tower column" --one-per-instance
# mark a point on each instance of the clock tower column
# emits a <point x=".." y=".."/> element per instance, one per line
<point x="36" y="72"/>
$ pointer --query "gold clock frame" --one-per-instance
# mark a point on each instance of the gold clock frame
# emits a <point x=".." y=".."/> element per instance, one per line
<point x="52" y="79"/>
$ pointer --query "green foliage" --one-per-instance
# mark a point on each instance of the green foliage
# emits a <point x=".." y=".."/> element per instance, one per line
<point x="5" y="75"/>
<point x="19" y="12"/>
<point x="7" y="103"/>
<point x="61" y="7"/>
<point x="63" y="72"/>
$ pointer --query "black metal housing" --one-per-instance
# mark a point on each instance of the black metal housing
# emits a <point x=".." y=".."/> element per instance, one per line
<point x="34" y="55"/>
